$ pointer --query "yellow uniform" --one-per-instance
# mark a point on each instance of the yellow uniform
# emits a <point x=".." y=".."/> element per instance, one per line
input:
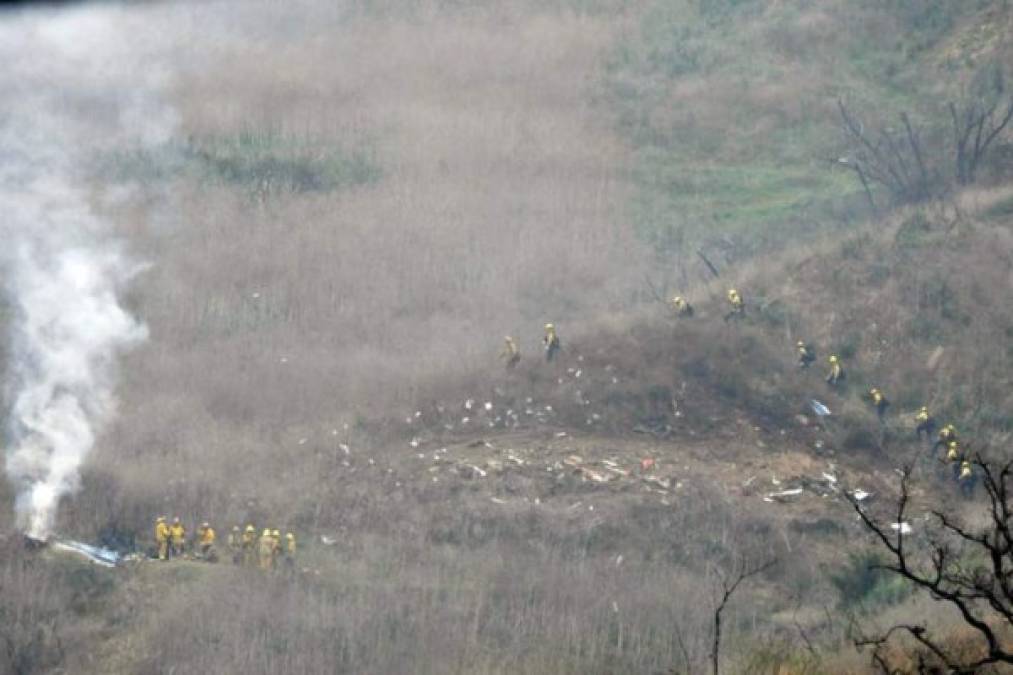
<point x="266" y="550"/>
<point x="738" y="306"/>
<point x="236" y="545"/>
<point x="681" y="306"/>
<point x="290" y="549"/>
<point x="178" y="534"/>
<point x="162" y="537"/>
<point x="510" y="352"/>
<point x="836" y="373"/>
<point x="805" y="354"/>
<point x="206" y="540"/>
<point x="878" y="401"/>
<point x="924" y="422"/>
<point x="551" y="342"/>
<point x="250" y="546"/>
<point x="953" y="451"/>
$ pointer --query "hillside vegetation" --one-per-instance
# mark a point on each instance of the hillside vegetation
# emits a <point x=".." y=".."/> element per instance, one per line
<point x="361" y="199"/>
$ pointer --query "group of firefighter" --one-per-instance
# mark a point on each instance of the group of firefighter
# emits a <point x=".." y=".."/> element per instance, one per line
<point x="267" y="551"/>
<point x="925" y="424"/>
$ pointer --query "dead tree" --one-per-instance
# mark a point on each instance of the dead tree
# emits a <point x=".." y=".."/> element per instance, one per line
<point x="892" y="159"/>
<point x="985" y="112"/>
<point x="729" y="583"/>
<point x="983" y="595"/>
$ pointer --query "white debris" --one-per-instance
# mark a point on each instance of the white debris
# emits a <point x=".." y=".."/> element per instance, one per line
<point x="578" y="373"/>
<point x="488" y="405"/>
<point x="97" y="555"/>
<point x="903" y="528"/>
<point x="497" y="500"/>
<point x="255" y="295"/>
<point x="830" y="478"/>
<point x="345" y="449"/>
<point x="418" y="413"/>
<point x="302" y="441"/>
<point x="468" y="404"/>
<point x="860" y="495"/>
<point x="783" y="495"/>
<point x="464" y="420"/>
<point x="481" y="473"/>
<point x="819" y="408"/>
<point x="560" y="434"/>
<point x="328" y="541"/>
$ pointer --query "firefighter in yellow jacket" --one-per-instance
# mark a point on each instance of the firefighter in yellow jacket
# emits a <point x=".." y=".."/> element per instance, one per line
<point x="681" y="306"/>
<point x="551" y="342"/>
<point x="206" y="542"/>
<point x="290" y="549"/>
<point x="276" y="548"/>
<point x="924" y="423"/>
<point x="737" y="305"/>
<point x="266" y="550"/>
<point x="946" y="435"/>
<point x="879" y="402"/>
<point x="806" y="354"/>
<point x="250" y="546"/>
<point x="511" y="353"/>
<point x="836" y="373"/>
<point x="236" y="545"/>
<point x="178" y="533"/>
<point x="162" y="538"/>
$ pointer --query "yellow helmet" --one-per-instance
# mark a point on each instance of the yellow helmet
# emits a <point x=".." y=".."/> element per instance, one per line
<point x="874" y="391"/>
<point x="953" y="445"/>
<point x="924" y="408"/>
<point x="833" y="358"/>
<point x="276" y="533"/>
<point x="160" y="519"/>
<point x="250" y="528"/>
<point x="549" y="326"/>
<point x="290" y="536"/>
<point x="800" y="343"/>
<point x="677" y="299"/>
<point x="267" y="533"/>
<point x="235" y="528"/>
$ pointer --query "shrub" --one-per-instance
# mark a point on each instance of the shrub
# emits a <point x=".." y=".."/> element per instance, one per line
<point x="860" y="582"/>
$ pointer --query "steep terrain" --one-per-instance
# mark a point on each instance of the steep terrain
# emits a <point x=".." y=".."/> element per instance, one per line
<point x="363" y="198"/>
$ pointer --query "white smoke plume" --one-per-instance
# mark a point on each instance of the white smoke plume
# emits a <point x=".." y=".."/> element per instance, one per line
<point x="72" y="88"/>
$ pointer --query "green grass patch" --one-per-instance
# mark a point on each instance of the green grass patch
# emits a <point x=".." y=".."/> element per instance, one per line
<point x="729" y="106"/>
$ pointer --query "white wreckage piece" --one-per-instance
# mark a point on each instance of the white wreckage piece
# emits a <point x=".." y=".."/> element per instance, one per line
<point x="783" y="496"/>
<point x="818" y="408"/>
<point x="96" y="554"/>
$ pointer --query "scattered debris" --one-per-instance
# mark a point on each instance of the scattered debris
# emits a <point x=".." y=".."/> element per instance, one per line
<point x="818" y="408"/>
<point x="783" y="496"/>
<point x="903" y="528"/>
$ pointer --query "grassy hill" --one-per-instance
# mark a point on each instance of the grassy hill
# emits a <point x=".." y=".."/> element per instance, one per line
<point x="360" y="200"/>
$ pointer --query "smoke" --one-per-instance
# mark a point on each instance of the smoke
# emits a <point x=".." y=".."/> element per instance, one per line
<point x="75" y="88"/>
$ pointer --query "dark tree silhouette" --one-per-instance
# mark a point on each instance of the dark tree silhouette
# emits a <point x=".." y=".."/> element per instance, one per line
<point x="981" y="593"/>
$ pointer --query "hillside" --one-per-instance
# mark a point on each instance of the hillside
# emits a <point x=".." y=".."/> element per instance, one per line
<point x="355" y="202"/>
